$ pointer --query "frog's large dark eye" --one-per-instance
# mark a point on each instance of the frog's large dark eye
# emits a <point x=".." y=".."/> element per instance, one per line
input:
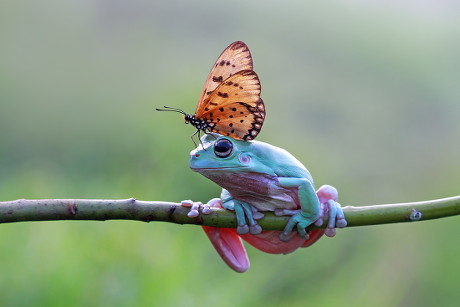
<point x="223" y="148"/>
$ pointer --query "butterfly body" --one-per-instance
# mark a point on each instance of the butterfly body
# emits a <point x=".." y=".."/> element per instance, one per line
<point x="230" y="102"/>
<point x="198" y="123"/>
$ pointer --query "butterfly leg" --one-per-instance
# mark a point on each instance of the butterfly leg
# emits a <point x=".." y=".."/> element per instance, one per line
<point x="199" y="137"/>
<point x="194" y="135"/>
<point x="209" y="132"/>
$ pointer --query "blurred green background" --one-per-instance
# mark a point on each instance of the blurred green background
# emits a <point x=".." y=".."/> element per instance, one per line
<point x="365" y="95"/>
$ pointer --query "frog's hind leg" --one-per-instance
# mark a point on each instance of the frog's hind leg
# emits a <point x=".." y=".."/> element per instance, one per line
<point x="331" y="209"/>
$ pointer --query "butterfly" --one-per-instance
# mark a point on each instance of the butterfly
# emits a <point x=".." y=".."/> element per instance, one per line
<point x="230" y="102"/>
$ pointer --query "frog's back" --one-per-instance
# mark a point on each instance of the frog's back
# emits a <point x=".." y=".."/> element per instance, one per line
<point x="281" y="161"/>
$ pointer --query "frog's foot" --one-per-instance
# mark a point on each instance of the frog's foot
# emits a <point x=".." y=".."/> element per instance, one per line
<point x="331" y="209"/>
<point x="196" y="206"/>
<point x="244" y="211"/>
<point x="335" y="217"/>
<point x="302" y="221"/>
<point x="287" y="236"/>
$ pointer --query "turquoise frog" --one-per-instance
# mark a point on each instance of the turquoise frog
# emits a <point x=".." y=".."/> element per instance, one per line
<point x="258" y="177"/>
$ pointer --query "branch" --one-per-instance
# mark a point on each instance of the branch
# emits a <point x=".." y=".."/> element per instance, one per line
<point x="23" y="210"/>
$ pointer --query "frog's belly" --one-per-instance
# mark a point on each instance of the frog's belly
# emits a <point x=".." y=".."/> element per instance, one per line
<point x="260" y="191"/>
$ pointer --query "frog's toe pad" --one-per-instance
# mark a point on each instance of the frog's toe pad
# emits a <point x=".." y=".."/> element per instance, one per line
<point x="285" y="237"/>
<point x="206" y="209"/>
<point x="330" y="232"/>
<point x="193" y="213"/>
<point x="255" y="229"/>
<point x="257" y="215"/>
<point x="341" y="223"/>
<point x="195" y="208"/>
<point x="186" y="203"/>
<point x="242" y="229"/>
<point x="319" y="222"/>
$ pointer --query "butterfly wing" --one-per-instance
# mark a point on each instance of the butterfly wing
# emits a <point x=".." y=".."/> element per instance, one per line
<point x="233" y="59"/>
<point x="235" y="108"/>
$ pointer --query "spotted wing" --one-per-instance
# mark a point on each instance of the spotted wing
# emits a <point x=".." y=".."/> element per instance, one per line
<point x="233" y="59"/>
<point x="235" y="108"/>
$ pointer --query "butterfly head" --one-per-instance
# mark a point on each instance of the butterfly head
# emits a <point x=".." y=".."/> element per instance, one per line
<point x="198" y="123"/>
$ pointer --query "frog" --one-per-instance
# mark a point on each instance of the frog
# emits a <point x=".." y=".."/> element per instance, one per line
<point x="257" y="177"/>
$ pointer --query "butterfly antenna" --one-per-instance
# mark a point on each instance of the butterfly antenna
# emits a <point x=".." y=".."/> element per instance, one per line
<point x="166" y="108"/>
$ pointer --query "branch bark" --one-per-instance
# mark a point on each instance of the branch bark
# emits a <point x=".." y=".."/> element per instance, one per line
<point x="23" y="210"/>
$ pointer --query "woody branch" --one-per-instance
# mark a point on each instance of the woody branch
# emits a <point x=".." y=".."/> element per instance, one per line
<point x="24" y="210"/>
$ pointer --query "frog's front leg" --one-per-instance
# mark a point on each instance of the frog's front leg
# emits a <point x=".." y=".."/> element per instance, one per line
<point x="329" y="207"/>
<point x="243" y="211"/>
<point x="309" y="204"/>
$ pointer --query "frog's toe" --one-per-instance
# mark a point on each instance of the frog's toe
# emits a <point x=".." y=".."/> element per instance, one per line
<point x="206" y="209"/>
<point x="336" y="216"/>
<point x="285" y="237"/>
<point x="334" y="213"/>
<point x="255" y="229"/>
<point x="330" y="232"/>
<point x="282" y="212"/>
<point x="256" y="214"/>
<point x="341" y="223"/>
<point x="242" y="229"/>
<point x="215" y="203"/>
<point x="279" y="212"/>
<point x="193" y="213"/>
<point x="319" y="221"/>
<point x="186" y="203"/>
<point x="195" y="208"/>
<point x="302" y="231"/>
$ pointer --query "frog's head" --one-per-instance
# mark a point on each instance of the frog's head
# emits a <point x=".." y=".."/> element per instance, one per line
<point x="220" y="153"/>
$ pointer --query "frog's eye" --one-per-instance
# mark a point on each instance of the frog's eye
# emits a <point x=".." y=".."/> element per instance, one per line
<point x="223" y="148"/>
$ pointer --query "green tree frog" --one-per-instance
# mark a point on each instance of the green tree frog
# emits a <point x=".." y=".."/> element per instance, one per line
<point x="258" y="177"/>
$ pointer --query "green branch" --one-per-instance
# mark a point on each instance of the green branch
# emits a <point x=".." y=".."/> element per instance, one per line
<point x="23" y="210"/>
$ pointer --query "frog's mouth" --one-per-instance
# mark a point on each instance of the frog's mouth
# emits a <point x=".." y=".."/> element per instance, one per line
<point x="214" y="168"/>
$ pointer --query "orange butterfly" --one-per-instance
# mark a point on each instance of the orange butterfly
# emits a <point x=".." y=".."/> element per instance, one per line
<point x="230" y="102"/>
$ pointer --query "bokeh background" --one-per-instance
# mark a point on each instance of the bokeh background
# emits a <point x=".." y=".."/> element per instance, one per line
<point x="365" y="94"/>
